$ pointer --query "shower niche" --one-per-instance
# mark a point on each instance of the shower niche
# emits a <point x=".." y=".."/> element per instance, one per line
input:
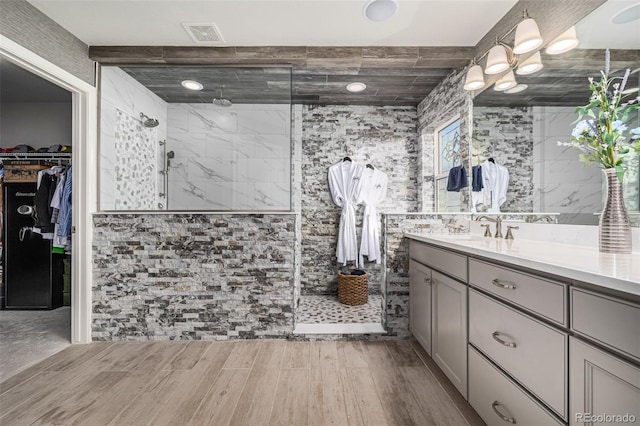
<point x="225" y="147"/>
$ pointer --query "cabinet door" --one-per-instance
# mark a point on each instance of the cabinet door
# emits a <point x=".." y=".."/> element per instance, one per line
<point x="420" y="304"/>
<point x="603" y="388"/>
<point x="449" y="337"/>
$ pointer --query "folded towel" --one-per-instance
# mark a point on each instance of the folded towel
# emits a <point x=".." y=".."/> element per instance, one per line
<point x="457" y="179"/>
<point x="476" y="178"/>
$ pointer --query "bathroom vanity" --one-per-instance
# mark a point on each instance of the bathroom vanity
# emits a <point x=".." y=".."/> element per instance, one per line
<point x="530" y="332"/>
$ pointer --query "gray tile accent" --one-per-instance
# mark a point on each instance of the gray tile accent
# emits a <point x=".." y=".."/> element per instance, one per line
<point x="328" y="310"/>
<point x="184" y="276"/>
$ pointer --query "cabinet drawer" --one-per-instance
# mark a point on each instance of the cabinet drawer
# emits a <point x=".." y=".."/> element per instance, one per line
<point x="541" y="296"/>
<point x="445" y="261"/>
<point x="496" y="398"/>
<point x="610" y="321"/>
<point x="533" y="353"/>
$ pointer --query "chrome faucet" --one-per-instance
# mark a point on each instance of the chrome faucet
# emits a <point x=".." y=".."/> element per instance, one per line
<point x="498" y="222"/>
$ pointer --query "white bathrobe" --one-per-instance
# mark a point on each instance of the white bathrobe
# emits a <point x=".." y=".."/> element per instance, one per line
<point x="495" y="182"/>
<point x="371" y="192"/>
<point x="344" y="179"/>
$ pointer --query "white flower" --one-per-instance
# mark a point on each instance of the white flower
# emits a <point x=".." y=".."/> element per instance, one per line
<point x="618" y="126"/>
<point x="635" y="133"/>
<point x="581" y="128"/>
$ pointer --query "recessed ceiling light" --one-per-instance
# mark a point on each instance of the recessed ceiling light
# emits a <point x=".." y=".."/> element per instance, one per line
<point x="356" y="87"/>
<point x="191" y="85"/>
<point x="629" y="14"/>
<point x="380" y="10"/>
<point x="516" y="89"/>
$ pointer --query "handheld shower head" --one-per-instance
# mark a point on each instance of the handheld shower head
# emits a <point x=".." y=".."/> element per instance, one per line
<point x="148" y="122"/>
<point x="222" y="101"/>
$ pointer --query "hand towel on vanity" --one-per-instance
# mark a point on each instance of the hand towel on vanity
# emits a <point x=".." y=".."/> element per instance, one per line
<point x="457" y="179"/>
<point x="344" y="178"/>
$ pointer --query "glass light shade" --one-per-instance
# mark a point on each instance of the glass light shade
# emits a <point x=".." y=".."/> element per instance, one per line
<point x="497" y="60"/>
<point x="380" y="10"/>
<point x="356" y="87"/>
<point x="531" y="65"/>
<point x="506" y="82"/>
<point x="563" y="43"/>
<point x="474" y="79"/>
<point x="191" y="85"/>
<point x="516" y="89"/>
<point x="527" y="37"/>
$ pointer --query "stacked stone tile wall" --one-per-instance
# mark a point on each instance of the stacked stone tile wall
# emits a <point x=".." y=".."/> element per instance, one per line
<point x="506" y="135"/>
<point x="193" y="276"/>
<point x="383" y="136"/>
<point x="447" y="101"/>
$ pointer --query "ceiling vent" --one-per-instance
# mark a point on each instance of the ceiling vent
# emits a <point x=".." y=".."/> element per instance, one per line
<point x="203" y="33"/>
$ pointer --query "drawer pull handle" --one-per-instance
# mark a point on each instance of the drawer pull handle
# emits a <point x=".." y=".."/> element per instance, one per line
<point x="502" y="342"/>
<point x="502" y="416"/>
<point x="501" y="284"/>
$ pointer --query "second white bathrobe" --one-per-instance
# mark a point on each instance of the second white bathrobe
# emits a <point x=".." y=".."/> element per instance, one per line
<point x="344" y="181"/>
<point x="371" y="192"/>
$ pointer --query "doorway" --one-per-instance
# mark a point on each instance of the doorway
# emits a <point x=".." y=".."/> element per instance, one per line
<point x="84" y="160"/>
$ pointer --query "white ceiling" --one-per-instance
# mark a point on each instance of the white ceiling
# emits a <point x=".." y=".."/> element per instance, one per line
<point x="597" y="32"/>
<point x="276" y="23"/>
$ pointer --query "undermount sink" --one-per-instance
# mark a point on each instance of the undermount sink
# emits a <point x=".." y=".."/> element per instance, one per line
<point x="459" y="237"/>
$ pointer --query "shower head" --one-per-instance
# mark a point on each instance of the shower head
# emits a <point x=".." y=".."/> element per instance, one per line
<point x="171" y="155"/>
<point x="148" y="122"/>
<point x="222" y="101"/>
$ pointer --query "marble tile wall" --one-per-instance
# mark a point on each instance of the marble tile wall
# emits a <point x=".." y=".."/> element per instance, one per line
<point x="121" y="93"/>
<point x="446" y="102"/>
<point x="506" y="135"/>
<point x="200" y="277"/>
<point x="383" y="136"/>
<point x="234" y="158"/>
<point x="561" y="183"/>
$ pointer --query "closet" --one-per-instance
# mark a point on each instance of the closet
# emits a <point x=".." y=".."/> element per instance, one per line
<point x="34" y="258"/>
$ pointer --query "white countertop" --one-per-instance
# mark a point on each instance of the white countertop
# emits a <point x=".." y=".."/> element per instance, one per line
<point x="619" y="272"/>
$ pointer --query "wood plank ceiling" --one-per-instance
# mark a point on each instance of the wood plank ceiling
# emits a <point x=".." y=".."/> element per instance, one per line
<point x="319" y="75"/>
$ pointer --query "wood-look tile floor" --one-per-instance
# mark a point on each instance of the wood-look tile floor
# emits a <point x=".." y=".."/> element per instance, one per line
<point x="238" y="383"/>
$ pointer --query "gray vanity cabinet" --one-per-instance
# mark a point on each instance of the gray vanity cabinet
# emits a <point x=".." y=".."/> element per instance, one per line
<point x="449" y="338"/>
<point x="420" y="303"/>
<point x="444" y="334"/>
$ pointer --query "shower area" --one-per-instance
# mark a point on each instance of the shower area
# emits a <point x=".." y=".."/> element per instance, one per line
<point x="196" y="138"/>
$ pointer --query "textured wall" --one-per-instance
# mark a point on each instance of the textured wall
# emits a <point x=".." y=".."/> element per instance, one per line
<point x="447" y="101"/>
<point x="506" y="135"/>
<point x="169" y="277"/>
<point x="32" y="29"/>
<point x="383" y="136"/>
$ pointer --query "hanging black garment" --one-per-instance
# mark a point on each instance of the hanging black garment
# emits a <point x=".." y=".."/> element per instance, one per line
<point x="43" y="209"/>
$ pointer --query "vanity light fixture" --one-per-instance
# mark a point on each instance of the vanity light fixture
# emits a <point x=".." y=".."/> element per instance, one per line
<point x="191" y="85"/>
<point x="505" y="82"/>
<point x="475" y="78"/>
<point x="380" y="10"/>
<point x="516" y="89"/>
<point x="356" y="87"/>
<point x="502" y="57"/>
<point x="532" y="64"/>
<point x="563" y="43"/>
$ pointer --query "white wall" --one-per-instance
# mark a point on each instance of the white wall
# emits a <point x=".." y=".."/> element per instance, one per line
<point x="234" y="158"/>
<point x="120" y="92"/>
<point x="38" y="124"/>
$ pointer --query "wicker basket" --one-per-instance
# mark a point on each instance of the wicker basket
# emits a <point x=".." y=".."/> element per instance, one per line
<point x="352" y="289"/>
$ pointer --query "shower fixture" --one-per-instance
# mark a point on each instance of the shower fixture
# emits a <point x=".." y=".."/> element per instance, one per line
<point x="222" y="101"/>
<point x="148" y="122"/>
<point x="170" y="156"/>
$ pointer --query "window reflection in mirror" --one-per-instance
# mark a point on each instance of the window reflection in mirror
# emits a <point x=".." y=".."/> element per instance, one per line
<point x="224" y="147"/>
<point x="521" y="130"/>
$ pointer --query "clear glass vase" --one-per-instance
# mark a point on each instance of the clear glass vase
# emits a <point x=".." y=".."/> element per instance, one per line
<point x="614" y="228"/>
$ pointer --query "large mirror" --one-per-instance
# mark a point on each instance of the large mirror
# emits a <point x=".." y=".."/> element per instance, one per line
<point x="520" y="130"/>
<point x="195" y="138"/>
